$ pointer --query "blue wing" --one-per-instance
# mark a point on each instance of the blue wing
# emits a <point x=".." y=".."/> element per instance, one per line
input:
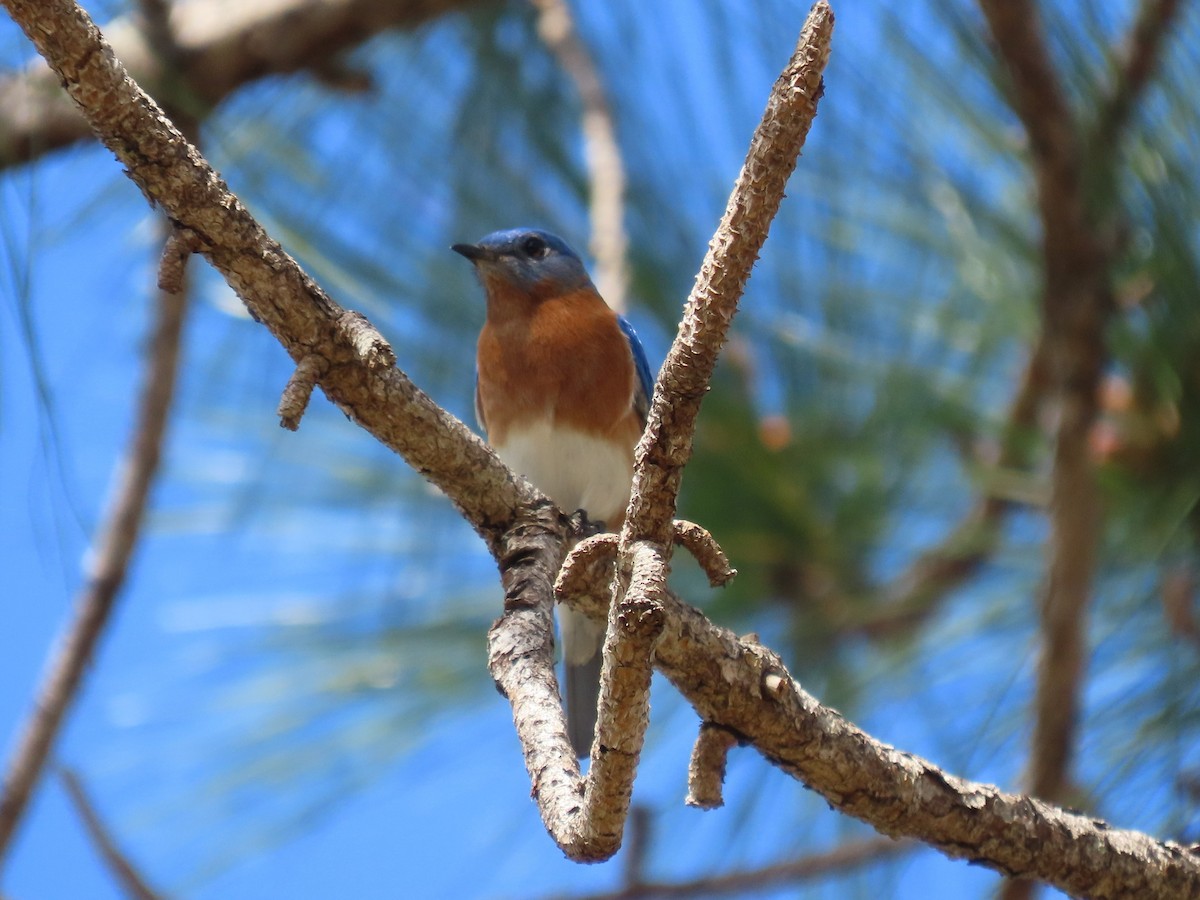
<point x="645" y="385"/>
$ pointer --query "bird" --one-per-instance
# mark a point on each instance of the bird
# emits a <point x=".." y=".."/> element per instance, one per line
<point x="562" y="391"/>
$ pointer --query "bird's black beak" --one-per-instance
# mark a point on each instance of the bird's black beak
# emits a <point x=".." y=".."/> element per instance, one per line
<point x="473" y="252"/>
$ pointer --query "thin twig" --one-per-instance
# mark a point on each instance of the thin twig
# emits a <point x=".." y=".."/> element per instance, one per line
<point x="114" y="547"/>
<point x="1136" y="62"/>
<point x="156" y="21"/>
<point x="1177" y="588"/>
<point x="179" y="246"/>
<point x="125" y="872"/>
<point x="298" y="390"/>
<point x="601" y="151"/>
<point x="637" y="848"/>
<point x="369" y="345"/>
<point x="848" y="856"/>
<point x="706" y="771"/>
<point x="917" y="593"/>
<point x="578" y="570"/>
<point x="706" y="551"/>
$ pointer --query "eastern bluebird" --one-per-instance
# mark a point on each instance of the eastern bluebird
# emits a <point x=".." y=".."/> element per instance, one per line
<point x="562" y="390"/>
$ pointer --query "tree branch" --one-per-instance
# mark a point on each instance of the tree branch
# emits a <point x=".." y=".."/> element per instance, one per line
<point x="1077" y="303"/>
<point x="917" y="593"/>
<point x="114" y="547"/>
<point x="739" y="883"/>
<point x="649" y="530"/>
<point x="744" y="687"/>
<point x="666" y="445"/>
<point x="592" y="830"/>
<point x="706" y="771"/>
<point x="223" y="43"/>
<point x="601" y="151"/>
<point x="125" y="872"/>
<point x="1135" y="65"/>
<point x="172" y="174"/>
<point x="585" y="817"/>
<point x="730" y="682"/>
<point x="1074" y="308"/>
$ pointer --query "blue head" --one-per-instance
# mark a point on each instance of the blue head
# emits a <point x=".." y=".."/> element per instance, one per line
<point x="527" y="260"/>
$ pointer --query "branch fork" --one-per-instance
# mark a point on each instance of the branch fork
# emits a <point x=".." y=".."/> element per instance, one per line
<point x="590" y="561"/>
<point x="642" y="552"/>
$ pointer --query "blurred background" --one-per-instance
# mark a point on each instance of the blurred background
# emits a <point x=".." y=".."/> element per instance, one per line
<point x="292" y="698"/>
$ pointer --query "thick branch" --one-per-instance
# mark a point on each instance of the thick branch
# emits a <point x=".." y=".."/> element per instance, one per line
<point x="521" y="661"/>
<point x="585" y="817"/>
<point x="223" y="45"/>
<point x="666" y="446"/>
<point x="744" y="688"/>
<point x="1075" y="305"/>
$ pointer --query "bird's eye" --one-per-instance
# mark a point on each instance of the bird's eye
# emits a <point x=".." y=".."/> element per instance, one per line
<point x="534" y="247"/>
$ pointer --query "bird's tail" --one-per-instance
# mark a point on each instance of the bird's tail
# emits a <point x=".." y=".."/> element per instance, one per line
<point x="582" y="658"/>
<point x="582" y="694"/>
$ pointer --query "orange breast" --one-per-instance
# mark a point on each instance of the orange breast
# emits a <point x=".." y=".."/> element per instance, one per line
<point x="564" y="359"/>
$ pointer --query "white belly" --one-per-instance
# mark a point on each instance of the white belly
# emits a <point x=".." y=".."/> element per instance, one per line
<point x="576" y="470"/>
